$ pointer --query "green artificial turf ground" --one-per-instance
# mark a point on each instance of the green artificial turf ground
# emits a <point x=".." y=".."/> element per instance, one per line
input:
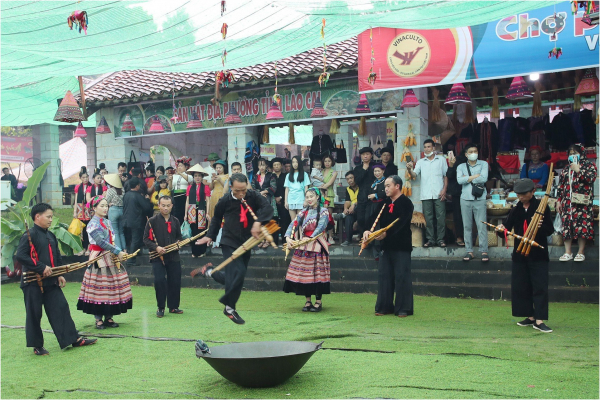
<point x="450" y="348"/>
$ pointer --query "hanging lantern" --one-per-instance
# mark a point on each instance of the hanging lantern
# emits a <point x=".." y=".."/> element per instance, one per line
<point x="318" y="111"/>
<point x="363" y="105"/>
<point x="68" y="110"/>
<point x="128" y="125"/>
<point x="233" y="117"/>
<point x="195" y="122"/>
<point x="103" y="126"/>
<point x="589" y="84"/>
<point x="80" y="131"/>
<point x="156" y="126"/>
<point x="274" y="113"/>
<point x="458" y="94"/>
<point x="410" y="99"/>
<point x="518" y="89"/>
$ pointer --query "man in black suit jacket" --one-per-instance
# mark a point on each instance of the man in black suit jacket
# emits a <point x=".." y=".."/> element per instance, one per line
<point x="136" y="207"/>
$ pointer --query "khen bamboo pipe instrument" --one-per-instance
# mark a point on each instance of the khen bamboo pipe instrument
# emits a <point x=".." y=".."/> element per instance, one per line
<point x="515" y="235"/>
<point x="287" y="251"/>
<point x="533" y="227"/>
<point x="265" y="232"/>
<point x="118" y="262"/>
<point x="363" y="246"/>
<point x="177" y="245"/>
<point x="375" y="235"/>
<point x="271" y="227"/>
<point x="300" y="243"/>
<point x="63" y="269"/>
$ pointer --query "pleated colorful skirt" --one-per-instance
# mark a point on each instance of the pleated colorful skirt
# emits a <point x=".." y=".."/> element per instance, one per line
<point x="309" y="274"/>
<point x="105" y="289"/>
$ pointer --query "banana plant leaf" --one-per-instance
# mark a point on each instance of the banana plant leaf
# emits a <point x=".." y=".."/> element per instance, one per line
<point x="33" y="183"/>
<point x="67" y="242"/>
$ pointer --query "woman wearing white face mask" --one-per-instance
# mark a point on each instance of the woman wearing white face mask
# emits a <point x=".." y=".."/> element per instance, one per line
<point x="473" y="175"/>
<point x="575" y="188"/>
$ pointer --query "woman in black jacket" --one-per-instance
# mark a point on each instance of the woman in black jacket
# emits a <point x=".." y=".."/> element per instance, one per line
<point x="455" y="190"/>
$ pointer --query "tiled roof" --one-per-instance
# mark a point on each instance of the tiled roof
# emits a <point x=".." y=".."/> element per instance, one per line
<point x="141" y="83"/>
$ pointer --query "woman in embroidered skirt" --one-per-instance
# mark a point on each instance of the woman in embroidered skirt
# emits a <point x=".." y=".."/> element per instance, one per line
<point x="197" y="197"/>
<point x="81" y="211"/>
<point x="309" y="271"/>
<point x="105" y="289"/>
<point x="577" y="218"/>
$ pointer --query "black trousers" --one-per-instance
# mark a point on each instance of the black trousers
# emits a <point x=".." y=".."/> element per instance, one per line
<point x="529" y="289"/>
<point x="179" y="207"/>
<point x="349" y="221"/>
<point x="136" y="243"/>
<point x="459" y="228"/>
<point x="197" y="250"/>
<point x="361" y="216"/>
<point x="232" y="277"/>
<point x="57" y="311"/>
<point x="394" y="277"/>
<point x="167" y="283"/>
<point x="283" y="220"/>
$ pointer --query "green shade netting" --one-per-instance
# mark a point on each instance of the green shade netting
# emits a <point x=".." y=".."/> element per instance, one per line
<point x="41" y="56"/>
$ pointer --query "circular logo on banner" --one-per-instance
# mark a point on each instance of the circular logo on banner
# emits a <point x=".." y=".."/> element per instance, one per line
<point x="408" y="54"/>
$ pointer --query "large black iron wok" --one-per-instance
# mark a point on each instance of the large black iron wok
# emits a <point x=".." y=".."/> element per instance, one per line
<point x="259" y="364"/>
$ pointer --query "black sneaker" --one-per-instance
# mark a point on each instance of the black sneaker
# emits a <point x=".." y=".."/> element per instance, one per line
<point x="176" y="311"/>
<point x="40" y="351"/>
<point x="160" y="312"/>
<point x="84" y="342"/>
<point x="234" y="316"/>
<point x="526" y="322"/>
<point x="109" y="324"/>
<point x="542" y="327"/>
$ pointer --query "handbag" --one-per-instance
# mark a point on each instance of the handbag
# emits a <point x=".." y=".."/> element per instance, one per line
<point x="339" y="153"/>
<point x="377" y="147"/>
<point x="186" y="230"/>
<point x="134" y="163"/>
<point x="76" y="227"/>
<point x="477" y="189"/>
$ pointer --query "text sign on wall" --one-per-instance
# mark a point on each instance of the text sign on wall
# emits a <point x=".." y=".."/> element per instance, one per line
<point x="515" y="45"/>
<point x="16" y="149"/>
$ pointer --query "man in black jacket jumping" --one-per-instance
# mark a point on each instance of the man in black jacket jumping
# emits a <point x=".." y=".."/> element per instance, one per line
<point x="238" y="227"/>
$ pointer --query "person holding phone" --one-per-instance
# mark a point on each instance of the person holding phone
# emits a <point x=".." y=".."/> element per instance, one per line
<point x="433" y="170"/>
<point x="574" y="201"/>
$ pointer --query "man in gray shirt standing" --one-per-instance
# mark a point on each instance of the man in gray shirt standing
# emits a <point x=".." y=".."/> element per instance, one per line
<point x="434" y="183"/>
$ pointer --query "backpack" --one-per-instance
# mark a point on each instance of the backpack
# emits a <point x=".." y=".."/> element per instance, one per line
<point x="251" y="158"/>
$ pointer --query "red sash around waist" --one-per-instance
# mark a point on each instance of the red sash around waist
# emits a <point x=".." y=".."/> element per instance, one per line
<point x="95" y="247"/>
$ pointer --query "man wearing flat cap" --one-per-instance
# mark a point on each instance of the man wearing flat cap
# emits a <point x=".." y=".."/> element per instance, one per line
<point x="364" y="178"/>
<point x="529" y="280"/>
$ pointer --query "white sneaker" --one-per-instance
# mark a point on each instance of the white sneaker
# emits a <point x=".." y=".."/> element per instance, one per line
<point x="566" y="257"/>
<point x="579" y="258"/>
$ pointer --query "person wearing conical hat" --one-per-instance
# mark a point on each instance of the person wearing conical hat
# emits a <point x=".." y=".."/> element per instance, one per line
<point x="197" y="198"/>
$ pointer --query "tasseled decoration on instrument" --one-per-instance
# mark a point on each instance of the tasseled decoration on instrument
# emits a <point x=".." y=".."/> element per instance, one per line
<point x="265" y="136"/>
<point x="292" y="139"/>
<point x="362" y="126"/>
<point x="468" y="108"/>
<point x="334" y="129"/>
<point x="410" y="137"/>
<point x="536" y="111"/>
<point x="79" y="19"/>
<point x="495" y="106"/>
<point x="435" y="107"/>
